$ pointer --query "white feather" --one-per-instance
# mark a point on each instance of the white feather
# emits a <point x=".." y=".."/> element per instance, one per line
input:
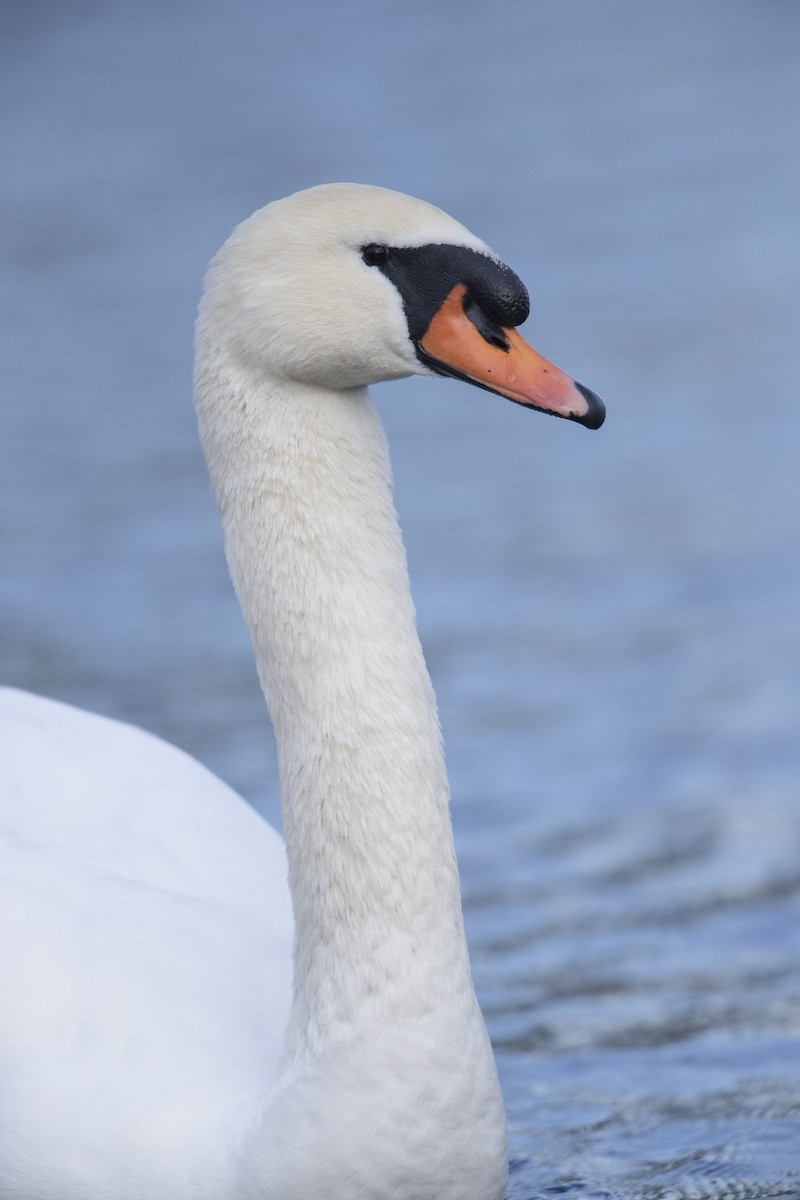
<point x="151" y="1043"/>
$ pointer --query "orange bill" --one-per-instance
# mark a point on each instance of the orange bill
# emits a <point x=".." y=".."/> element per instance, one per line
<point x="506" y="365"/>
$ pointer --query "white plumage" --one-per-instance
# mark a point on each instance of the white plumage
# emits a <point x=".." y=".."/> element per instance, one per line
<point x="134" y="1012"/>
<point x="152" y="1046"/>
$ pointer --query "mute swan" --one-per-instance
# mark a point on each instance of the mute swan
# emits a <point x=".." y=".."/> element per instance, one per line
<point x="154" y="1041"/>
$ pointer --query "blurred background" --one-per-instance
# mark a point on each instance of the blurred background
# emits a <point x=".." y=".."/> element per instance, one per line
<point x="611" y="619"/>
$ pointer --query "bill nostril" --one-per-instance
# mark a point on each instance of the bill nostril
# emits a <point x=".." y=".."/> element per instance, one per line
<point x="486" y="327"/>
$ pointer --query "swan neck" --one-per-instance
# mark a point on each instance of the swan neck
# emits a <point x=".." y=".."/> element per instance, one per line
<point x="303" y="483"/>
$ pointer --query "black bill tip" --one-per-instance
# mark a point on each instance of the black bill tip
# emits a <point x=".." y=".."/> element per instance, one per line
<point x="596" y="410"/>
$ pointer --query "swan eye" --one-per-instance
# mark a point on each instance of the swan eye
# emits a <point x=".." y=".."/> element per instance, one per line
<point x="375" y="255"/>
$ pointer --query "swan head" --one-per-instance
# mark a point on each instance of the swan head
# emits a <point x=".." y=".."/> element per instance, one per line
<point x="345" y="285"/>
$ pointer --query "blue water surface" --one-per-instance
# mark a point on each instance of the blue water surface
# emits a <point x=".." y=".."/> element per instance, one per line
<point x="612" y="619"/>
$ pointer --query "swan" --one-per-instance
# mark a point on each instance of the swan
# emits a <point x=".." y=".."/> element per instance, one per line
<point x="187" y="1009"/>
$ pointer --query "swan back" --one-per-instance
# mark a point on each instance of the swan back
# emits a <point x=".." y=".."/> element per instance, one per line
<point x="135" y="888"/>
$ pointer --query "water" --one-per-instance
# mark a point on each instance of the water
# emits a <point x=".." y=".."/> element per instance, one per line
<point x="610" y="619"/>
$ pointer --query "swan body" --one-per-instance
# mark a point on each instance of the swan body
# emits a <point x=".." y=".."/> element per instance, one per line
<point x="186" y="1009"/>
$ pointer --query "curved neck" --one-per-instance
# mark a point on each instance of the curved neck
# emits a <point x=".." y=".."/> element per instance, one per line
<point x="303" y="484"/>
